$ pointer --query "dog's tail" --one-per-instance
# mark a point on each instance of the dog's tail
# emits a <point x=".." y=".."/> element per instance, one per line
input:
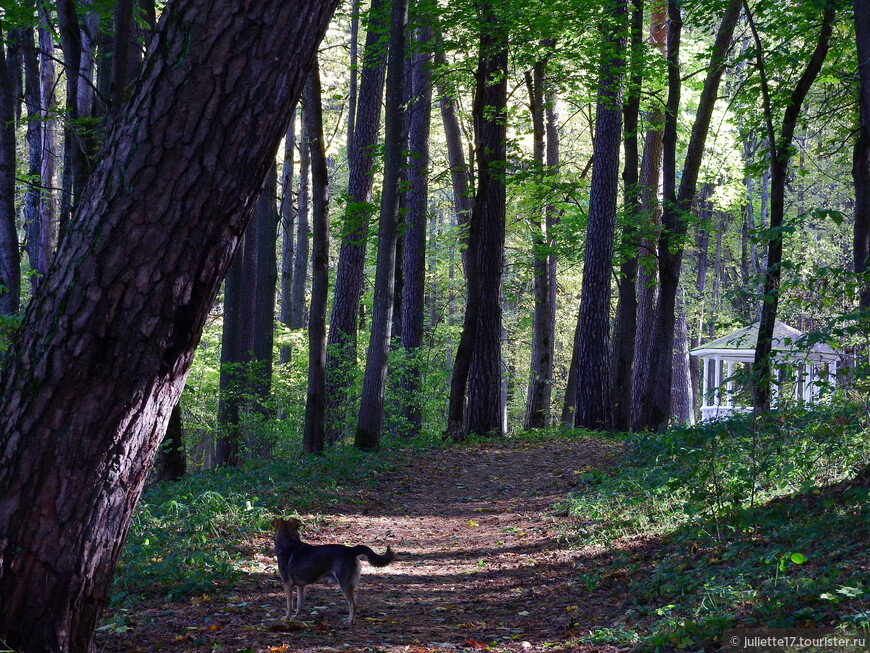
<point x="373" y="558"/>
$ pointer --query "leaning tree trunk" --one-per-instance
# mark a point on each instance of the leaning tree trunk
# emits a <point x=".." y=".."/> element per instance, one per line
<point x="89" y="384"/>
<point x="780" y="153"/>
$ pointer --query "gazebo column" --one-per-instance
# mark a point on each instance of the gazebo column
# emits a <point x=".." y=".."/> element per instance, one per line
<point x="729" y="383"/>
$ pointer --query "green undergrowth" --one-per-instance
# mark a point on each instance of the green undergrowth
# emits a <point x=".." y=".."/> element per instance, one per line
<point x="739" y="523"/>
<point x="186" y="536"/>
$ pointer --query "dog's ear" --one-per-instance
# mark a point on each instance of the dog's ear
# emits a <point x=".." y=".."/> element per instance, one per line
<point x="294" y="523"/>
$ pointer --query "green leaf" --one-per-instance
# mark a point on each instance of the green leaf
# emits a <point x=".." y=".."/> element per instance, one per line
<point x="798" y="558"/>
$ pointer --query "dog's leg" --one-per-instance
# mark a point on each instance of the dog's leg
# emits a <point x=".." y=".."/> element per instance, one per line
<point x="288" y="591"/>
<point x="349" y="591"/>
<point x="300" y="600"/>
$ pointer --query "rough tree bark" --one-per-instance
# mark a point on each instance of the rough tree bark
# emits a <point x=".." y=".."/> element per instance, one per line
<point x="89" y="385"/>
<point x="341" y="352"/>
<point x="593" y="408"/>
<point x="490" y="103"/>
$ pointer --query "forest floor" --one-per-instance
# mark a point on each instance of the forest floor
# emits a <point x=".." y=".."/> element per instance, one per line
<point x="483" y="561"/>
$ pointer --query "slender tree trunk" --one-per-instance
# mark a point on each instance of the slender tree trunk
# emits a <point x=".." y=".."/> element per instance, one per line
<point x="861" y="152"/>
<point x="593" y="410"/>
<point x="780" y="154"/>
<point x="227" y="449"/>
<point x="650" y="207"/>
<point x="625" y="322"/>
<point x="682" y="397"/>
<point x="546" y="156"/>
<point x="108" y="340"/>
<point x="48" y="204"/>
<point x="10" y="258"/>
<point x="265" y="271"/>
<point x="298" y="302"/>
<point x="490" y="104"/>
<point x="341" y="352"/>
<point x="655" y="397"/>
<point x="414" y="289"/>
<point x="288" y="229"/>
<point x="314" y="436"/>
<point x="33" y="136"/>
<point x="371" y="413"/>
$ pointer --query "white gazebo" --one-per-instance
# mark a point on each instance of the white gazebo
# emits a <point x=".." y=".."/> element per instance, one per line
<point x="799" y="371"/>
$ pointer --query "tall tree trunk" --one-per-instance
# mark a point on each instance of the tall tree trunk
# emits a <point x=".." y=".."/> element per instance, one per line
<point x="414" y="289"/>
<point x="341" y="352"/>
<point x="108" y="340"/>
<point x="371" y="412"/>
<point x="546" y="157"/>
<point x="227" y="445"/>
<point x="780" y="153"/>
<point x="10" y="258"/>
<point x="861" y="152"/>
<point x="625" y="321"/>
<point x="288" y="231"/>
<point x="298" y="308"/>
<point x="48" y="204"/>
<point x="265" y="271"/>
<point x="33" y="136"/>
<point x="682" y="399"/>
<point x="593" y="410"/>
<point x="655" y="397"/>
<point x="490" y="104"/>
<point x="314" y="436"/>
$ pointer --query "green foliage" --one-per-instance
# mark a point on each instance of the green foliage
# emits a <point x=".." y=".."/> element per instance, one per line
<point x="753" y="523"/>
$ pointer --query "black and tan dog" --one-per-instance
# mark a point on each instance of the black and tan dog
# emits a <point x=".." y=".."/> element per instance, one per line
<point x="302" y="564"/>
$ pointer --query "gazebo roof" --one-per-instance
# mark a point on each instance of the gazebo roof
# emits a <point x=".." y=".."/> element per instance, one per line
<point x="743" y="341"/>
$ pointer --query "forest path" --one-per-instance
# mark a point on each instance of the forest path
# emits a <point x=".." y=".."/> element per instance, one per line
<point x="480" y="564"/>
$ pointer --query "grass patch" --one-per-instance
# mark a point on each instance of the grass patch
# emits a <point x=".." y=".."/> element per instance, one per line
<point x="740" y="523"/>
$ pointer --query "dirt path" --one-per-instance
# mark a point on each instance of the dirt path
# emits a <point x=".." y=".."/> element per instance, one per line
<point x="480" y="564"/>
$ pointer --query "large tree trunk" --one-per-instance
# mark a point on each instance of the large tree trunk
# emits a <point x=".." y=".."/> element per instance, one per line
<point x="314" y="436"/>
<point x="371" y="412"/>
<point x="490" y="103"/>
<point x="89" y="385"/>
<point x="341" y="366"/>
<point x="592" y="351"/>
